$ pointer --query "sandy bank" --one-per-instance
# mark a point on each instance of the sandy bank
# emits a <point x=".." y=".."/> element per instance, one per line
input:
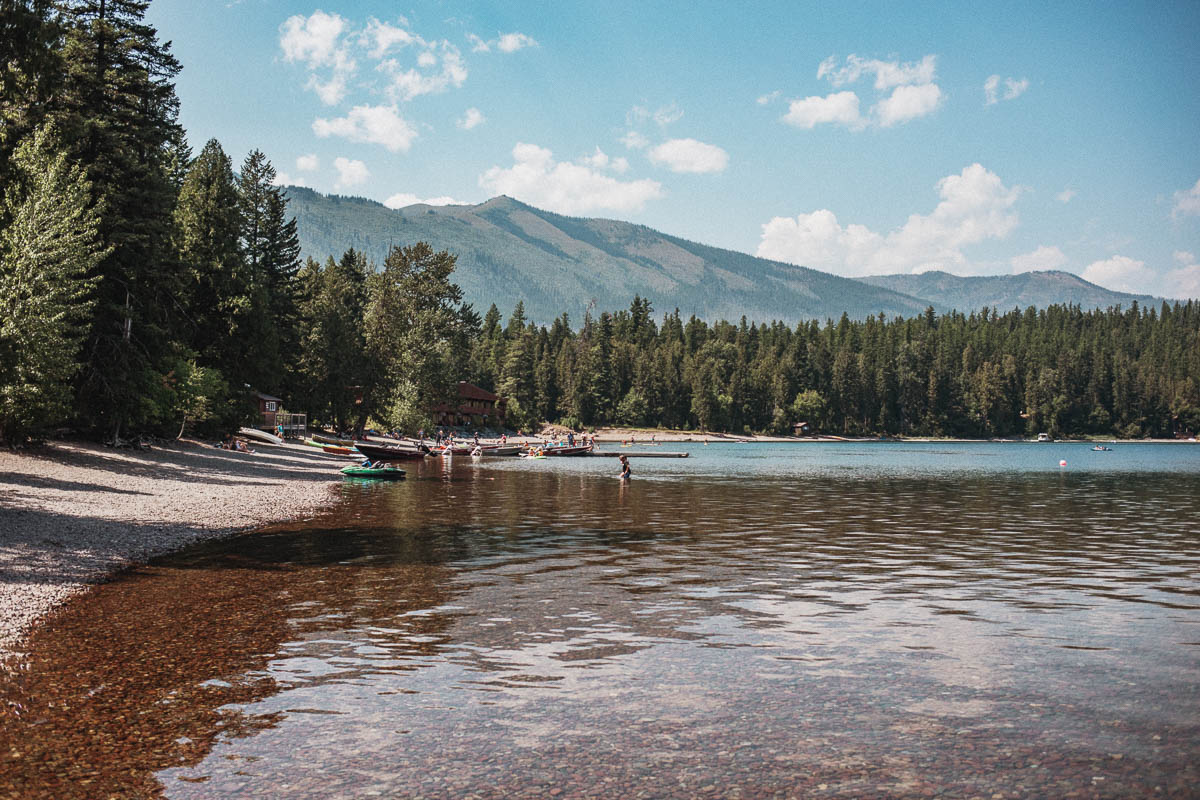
<point x="73" y="513"/>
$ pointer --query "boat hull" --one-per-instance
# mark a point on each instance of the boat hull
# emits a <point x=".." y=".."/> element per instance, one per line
<point x="377" y="452"/>
<point x="333" y="440"/>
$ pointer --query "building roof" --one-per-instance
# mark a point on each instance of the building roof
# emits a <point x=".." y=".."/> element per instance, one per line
<point x="263" y="396"/>
<point x="472" y="392"/>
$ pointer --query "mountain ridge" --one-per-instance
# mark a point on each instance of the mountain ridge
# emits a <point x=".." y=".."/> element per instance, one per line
<point x="509" y="251"/>
<point x="948" y="292"/>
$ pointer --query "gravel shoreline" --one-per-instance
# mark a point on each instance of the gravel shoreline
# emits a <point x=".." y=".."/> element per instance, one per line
<point x="74" y="513"/>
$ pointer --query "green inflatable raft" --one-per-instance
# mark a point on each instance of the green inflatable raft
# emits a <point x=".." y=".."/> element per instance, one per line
<point x="388" y="473"/>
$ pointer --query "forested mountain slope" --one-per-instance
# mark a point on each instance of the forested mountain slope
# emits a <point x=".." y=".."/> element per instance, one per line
<point x="509" y="252"/>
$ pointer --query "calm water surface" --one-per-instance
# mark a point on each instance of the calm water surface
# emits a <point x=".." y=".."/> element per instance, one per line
<point x="881" y="620"/>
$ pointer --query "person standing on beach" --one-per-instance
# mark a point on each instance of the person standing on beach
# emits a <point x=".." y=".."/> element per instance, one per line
<point x="625" y="471"/>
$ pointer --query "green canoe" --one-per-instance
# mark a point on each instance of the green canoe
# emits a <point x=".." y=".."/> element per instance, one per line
<point x="369" y="472"/>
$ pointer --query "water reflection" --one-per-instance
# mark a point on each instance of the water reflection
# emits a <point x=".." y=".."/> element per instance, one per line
<point x="513" y="630"/>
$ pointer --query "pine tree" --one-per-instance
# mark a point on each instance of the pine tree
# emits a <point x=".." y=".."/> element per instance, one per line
<point x="333" y="348"/>
<point x="270" y="247"/>
<point x="30" y="69"/>
<point x="116" y="111"/>
<point x="47" y="249"/>
<point x="225" y="305"/>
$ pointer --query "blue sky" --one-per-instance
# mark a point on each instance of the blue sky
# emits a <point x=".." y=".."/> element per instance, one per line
<point x="856" y="138"/>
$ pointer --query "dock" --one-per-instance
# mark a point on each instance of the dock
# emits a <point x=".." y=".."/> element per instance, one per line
<point x="636" y="454"/>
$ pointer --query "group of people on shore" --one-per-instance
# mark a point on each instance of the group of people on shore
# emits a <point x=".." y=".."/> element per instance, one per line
<point x="235" y="443"/>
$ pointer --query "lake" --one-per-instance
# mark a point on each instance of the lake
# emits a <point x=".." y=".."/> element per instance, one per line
<point x="763" y="620"/>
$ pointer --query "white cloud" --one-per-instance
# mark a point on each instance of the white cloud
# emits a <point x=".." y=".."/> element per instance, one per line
<point x="989" y="90"/>
<point x="1043" y="258"/>
<point x="601" y="160"/>
<point x="689" y="155"/>
<point x="1184" y="282"/>
<point x="351" y="172"/>
<point x="768" y="98"/>
<point x="284" y="179"/>
<point x="383" y="36"/>
<point x="473" y="118"/>
<point x="975" y="205"/>
<point x="662" y="116"/>
<point x="512" y="42"/>
<point x="635" y="141"/>
<point x="312" y="40"/>
<point x="405" y="84"/>
<point x="908" y="102"/>
<point x="403" y="199"/>
<point x="536" y="178"/>
<point x="1187" y="202"/>
<point x="808" y="112"/>
<point x="317" y="41"/>
<point x="308" y="163"/>
<point x="887" y="73"/>
<point x="1120" y="273"/>
<point x="1065" y="196"/>
<point x="506" y="43"/>
<point x="372" y="125"/>
<point x="1013" y="89"/>
<point x="910" y="89"/>
<point x="325" y="43"/>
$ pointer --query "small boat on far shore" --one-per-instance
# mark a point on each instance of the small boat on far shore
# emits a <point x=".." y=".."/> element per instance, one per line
<point x="1100" y="448"/>
<point x="333" y="440"/>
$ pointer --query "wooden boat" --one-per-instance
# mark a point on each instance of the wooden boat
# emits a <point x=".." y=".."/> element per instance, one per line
<point x="379" y="452"/>
<point x="501" y="449"/>
<point x="386" y="473"/>
<point x="578" y="450"/>
<point x="333" y="440"/>
<point x="337" y="450"/>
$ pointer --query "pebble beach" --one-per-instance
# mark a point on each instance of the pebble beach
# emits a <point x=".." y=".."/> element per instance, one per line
<point x="74" y="513"/>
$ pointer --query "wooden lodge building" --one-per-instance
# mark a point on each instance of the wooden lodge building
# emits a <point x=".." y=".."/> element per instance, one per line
<point x="476" y="407"/>
<point x="272" y="417"/>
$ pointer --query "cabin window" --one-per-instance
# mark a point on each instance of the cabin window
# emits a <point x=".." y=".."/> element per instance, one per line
<point x="270" y="405"/>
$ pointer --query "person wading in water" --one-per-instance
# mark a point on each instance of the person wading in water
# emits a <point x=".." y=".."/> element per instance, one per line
<point x="624" y="467"/>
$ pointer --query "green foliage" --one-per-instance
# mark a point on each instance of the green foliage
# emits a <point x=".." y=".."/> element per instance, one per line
<point x="333" y="347"/>
<point x="47" y="248"/>
<point x="413" y="317"/>
<point x="809" y="407"/>
<point x="201" y="394"/>
<point x="632" y="409"/>
<point x="1063" y="371"/>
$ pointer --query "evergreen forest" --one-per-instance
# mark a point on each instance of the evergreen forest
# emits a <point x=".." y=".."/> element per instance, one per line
<point x="150" y="289"/>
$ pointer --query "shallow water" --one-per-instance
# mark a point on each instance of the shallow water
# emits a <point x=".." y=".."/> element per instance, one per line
<point x="842" y="620"/>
